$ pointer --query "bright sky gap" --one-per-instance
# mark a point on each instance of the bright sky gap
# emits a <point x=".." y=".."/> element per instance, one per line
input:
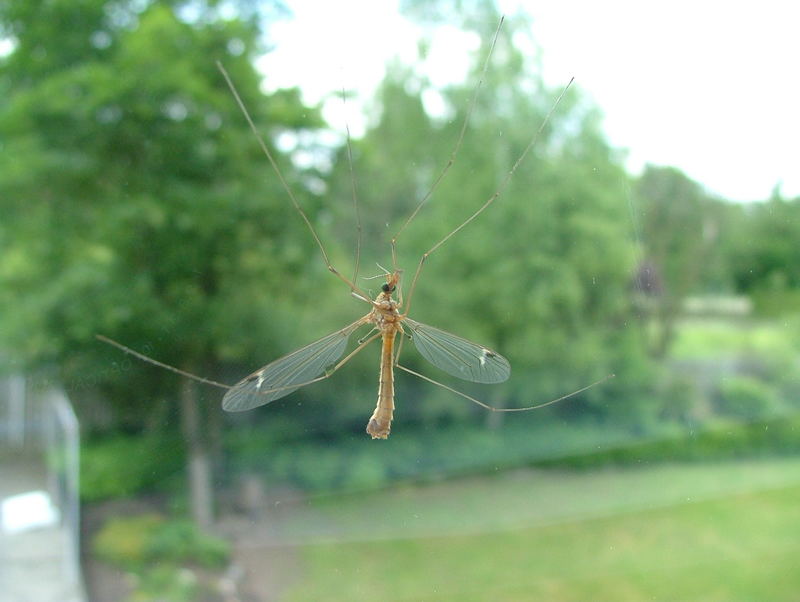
<point x="707" y="88"/>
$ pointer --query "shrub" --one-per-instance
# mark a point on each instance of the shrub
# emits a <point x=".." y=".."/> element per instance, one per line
<point x="166" y="584"/>
<point x="136" y="542"/>
<point x="721" y="440"/>
<point x="364" y="472"/>
<point x="123" y="465"/>
<point x="746" y="398"/>
<point x="125" y="541"/>
<point x="180" y="541"/>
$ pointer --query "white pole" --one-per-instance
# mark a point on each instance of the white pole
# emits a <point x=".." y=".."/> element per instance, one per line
<point x="16" y="410"/>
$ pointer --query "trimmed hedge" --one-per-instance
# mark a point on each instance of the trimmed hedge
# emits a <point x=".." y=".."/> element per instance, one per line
<point x="125" y="466"/>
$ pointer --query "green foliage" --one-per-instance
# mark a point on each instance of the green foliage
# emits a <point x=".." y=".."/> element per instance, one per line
<point x="125" y="541"/>
<point x="138" y="208"/>
<point x="135" y="204"/>
<point x="123" y="466"/>
<point x="167" y="584"/>
<point x="747" y="398"/>
<point x="667" y="429"/>
<point x="160" y="553"/>
<point x="680" y="396"/>
<point x="543" y="275"/>
<point x="180" y="541"/>
<point x="132" y="542"/>
<point x="365" y="472"/>
<point x="677" y="226"/>
<point x="719" y="440"/>
<point x="418" y="455"/>
<point x="766" y="257"/>
<point x="134" y="197"/>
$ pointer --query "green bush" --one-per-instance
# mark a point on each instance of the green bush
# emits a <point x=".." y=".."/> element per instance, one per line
<point x="181" y="542"/>
<point x="364" y="472"/>
<point x="137" y="542"/>
<point x="679" y="395"/>
<point x="166" y="584"/>
<point x="746" y="398"/>
<point x="356" y="462"/>
<point x="125" y="541"/>
<point x="124" y="465"/>
<point x="721" y="441"/>
<point x="430" y="456"/>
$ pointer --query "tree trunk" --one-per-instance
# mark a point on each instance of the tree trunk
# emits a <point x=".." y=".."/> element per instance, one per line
<point x="666" y="315"/>
<point x="201" y="494"/>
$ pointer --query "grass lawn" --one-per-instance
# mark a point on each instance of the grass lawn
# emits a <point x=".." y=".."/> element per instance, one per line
<point x="696" y="532"/>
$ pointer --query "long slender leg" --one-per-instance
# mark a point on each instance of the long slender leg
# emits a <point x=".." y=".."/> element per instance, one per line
<point x="357" y="261"/>
<point x="285" y="185"/>
<point x="400" y="347"/>
<point x="488" y="201"/>
<point x="494" y="409"/>
<point x="155" y="362"/>
<point x="363" y="343"/>
<point x="456" y="148"/>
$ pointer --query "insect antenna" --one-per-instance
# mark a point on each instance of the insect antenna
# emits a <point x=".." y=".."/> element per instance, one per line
<point x="356" y="211"/>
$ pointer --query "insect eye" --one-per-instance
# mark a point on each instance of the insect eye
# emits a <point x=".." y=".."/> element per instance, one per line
<point x="385" y="288"/>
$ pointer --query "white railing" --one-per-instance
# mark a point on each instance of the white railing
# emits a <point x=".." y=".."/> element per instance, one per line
<point x="40" y="427"/>
<point x="62" y="442"/>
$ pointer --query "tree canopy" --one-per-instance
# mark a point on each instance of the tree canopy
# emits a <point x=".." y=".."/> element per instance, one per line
<point x="134" y="194"/>
<point x="137" y="204"/>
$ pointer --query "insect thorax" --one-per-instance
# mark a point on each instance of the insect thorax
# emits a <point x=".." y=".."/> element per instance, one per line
<point x="384" y="312"/>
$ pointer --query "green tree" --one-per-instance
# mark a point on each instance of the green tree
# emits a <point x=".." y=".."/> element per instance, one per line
<point x="135" y="204"/>
<point x="543" y="275"/>
<point x="678" y="231"/>
<point x="764" y="255"/>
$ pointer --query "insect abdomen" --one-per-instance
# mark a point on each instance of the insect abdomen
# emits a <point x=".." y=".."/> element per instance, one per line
<point x="380" y="423"/>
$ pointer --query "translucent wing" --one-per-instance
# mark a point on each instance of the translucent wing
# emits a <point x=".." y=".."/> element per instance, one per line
<point x="288" y="373"/>
<point x="457" y="356"/>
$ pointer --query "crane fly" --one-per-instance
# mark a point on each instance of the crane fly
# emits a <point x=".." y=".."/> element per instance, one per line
<point x="319" y="360"/>
<point x="312" y="363"/>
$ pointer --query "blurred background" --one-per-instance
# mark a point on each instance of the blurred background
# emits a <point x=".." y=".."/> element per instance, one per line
<point x="652" y="232"/>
